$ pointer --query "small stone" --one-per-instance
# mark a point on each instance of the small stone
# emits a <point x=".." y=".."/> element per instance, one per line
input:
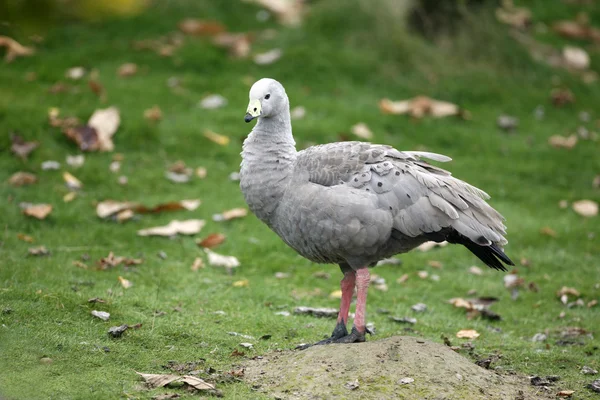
<point x="404" y="320"/>
<point x="46" y="360"/>
<point x="588" y="370"/>
<point x="406" y="381"/>
<point x="162" y="255"/>
<point x="507" y="123"/>
<point x="247" y="345"/>
<point x="352" y="385"/>
<point x="539" y="337"/>
<point x="595" y="386"/>
<point x="50" y="165"/>
<point x="117" y="331"/>
<point x="419" y="307"/>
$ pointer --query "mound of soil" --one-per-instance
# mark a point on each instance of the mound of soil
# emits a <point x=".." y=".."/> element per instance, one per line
<point x="393" y="368"/>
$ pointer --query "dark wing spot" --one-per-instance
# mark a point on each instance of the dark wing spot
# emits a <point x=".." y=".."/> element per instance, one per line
<point x="355" y="179"/>
<point x="408" y="195"/>
<point x="397" y="173"/>
<point x="379" y="184"/>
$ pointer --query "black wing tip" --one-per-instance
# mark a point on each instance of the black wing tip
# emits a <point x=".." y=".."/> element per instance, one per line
<point x="492" y="255"/>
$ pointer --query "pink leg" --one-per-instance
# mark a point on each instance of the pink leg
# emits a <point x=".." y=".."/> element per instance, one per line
<point x="362" y="286"/>
<point x="347" y="286"/>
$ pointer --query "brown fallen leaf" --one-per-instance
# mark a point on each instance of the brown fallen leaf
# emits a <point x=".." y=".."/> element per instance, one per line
<point x="20" y="147"/>
<point x="402" y="279"/>
<point x="596" y="182"/>
<point x="336" y="294"/>
<point x="217" y="138"/>
<point x="22" y="179"/>
<point x="420" y="106"/>
<point x="14" y="49"/>
<point x="112" y="261"/>
<point x="568" y="291"/>
<point x="25" y="238"/>
<point x="211" y="241"/>
<point x="39" y="211"/>
<point x="238" y="44"/>
<point x="153" y="114"/>
<point x="72" y="182"/>
<point x="435" y="264"/>
<point x="38" y="251"/>
<point x="187" y="227"/>
<point x="592" y="303"/>
<point x="586" y="208"/>
<point x="197" y="264"/>
<point x="288" y="12"/>
<point x="108" y="208"/>
<point x="518" y="17"/>
<point x="125" y="215"/>
<point x="467" y="334"/>
<point x="559" y="141"/>
<point x="562" y="97"/>
<point x="578" y="29"/>
<point x="547" y="231"/>
<point x="105" y="122"/>
<point x="127" y="70"/>
<point x="125" y="283"/>
<point x="565" y="393"/>
<point x="362" y="131"/>
<point x="196" y="27"/>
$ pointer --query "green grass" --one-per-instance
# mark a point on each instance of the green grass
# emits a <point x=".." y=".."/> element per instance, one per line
<point x="328" y="67"/>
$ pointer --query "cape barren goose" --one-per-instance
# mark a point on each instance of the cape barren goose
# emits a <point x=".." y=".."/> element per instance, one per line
<point x="355" y="203"/>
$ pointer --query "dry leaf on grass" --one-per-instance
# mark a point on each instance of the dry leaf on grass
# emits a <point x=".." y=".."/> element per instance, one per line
<point x="75" y="73"/>
<point x="103" y="315"/>
<point x="39" y="211"/>
<point x="362" y="131"/>
<point x="562" y="97"/>
<point x="112" y="261"/>
<point x="216" y="138"/>
<point x="420" y="106"/>
<point x="153" y="114"/>
<point x="298" y="112"/>
<point x="196" y="27"/>
<point x="38" y="251"/>
<point x="317" y="312"/>
<point x="187" y="227"/>
<point x="14" y="49"/>
<point x="476" y="270"/>
<point x="197" y="264"/>
<point x="125" y="283"/>
<point x="127" y="69"/>
<point x="213" y="101"/>
<point x="241" y="283"/>
<point x="565" y="393"/>
<point x="75" y="161"/>
<point x="467" y="334"/>
<point x="586" y="208"/>
<point x="518" y="17"/>
<point x="268" y="57"/>
<point x="559" y="141"/>
<point x="231" y="214"/>
<point x="97" y="134"/>
<point x="25" y="238"/>
<point x="547" y="231"/>
<point x="22" y="179"/>
<point x="578" y="29"/>
<point x="288" y="12"/>
<point x="108" y="208"/>
<point x="219" y="260"/>
<point x="20" y="147"/>
<point x="211" y="241"/>
<point x="237" y="43"/>
<point x="72" y="182"/>
<point x="160" y="380"/>
<point x="336" y="294"/>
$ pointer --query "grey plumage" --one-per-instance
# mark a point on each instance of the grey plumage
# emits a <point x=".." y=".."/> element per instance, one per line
<point x="355" y="203"/>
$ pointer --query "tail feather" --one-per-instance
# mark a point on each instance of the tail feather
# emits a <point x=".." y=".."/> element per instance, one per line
<point x="491" y="254"/>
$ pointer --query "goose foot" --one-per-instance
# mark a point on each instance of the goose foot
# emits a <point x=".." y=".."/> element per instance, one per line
<point x="339" y="335"/>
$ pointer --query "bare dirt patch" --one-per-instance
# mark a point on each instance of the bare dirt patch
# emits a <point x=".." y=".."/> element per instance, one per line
<point x="399" y="367"/>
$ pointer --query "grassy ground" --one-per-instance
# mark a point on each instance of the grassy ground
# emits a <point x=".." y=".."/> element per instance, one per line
<point x="330" y="67"/>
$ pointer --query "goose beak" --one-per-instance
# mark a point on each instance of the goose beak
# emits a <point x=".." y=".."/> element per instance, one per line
<point x="253" y="111"/>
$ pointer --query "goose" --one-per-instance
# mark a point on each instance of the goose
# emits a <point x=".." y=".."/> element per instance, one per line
<point x="356" y="203"/>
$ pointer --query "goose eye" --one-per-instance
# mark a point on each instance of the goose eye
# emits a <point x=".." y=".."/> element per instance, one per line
<point x="268" y="96"/>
